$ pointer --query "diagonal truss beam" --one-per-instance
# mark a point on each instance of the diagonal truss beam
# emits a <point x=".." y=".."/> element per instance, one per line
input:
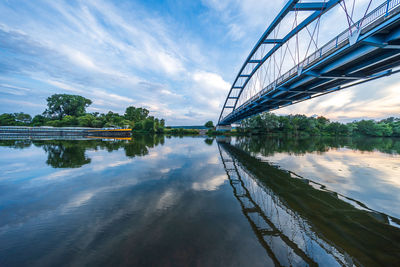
<point x="285" y="10"/>
<point x="319" y="8"/>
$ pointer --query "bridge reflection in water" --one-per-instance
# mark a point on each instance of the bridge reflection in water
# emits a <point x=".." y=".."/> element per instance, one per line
<point x="300" y="223"/>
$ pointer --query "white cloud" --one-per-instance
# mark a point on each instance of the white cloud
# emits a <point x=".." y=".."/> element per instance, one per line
<point x="211" y="184"/>
<point x="375" y="100"/>
<point x="244" y="18"/>
<point x="121" y="54"/>
<point x="169" y="63"/>
<point x="64" y="86"/>
<point x="211" y="80"/>
<point x="79" y="58"/>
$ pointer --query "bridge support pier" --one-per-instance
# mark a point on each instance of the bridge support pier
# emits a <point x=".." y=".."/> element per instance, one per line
<point x="224" y="128"/>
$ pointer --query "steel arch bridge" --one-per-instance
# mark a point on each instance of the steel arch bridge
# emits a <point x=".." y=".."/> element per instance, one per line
<point x="312" y="49"/>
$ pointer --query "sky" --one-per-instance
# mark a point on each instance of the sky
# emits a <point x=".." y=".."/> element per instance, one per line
<point x="176" y="58"/>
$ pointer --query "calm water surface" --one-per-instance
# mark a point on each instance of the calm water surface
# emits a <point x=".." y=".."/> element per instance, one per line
<point x="157" y="201"/>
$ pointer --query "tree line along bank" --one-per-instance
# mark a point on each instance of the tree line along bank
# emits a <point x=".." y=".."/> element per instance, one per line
<point x="70" y="110"/>
<point x="301" y="125"/>
<point x="65" y="110"/>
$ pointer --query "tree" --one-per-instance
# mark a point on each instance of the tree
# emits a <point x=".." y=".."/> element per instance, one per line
<point x="209" y="124"/>
<point x="64" y="154"/>
<point x="7" y="119"/>
<point x="23" y="118"/>
<point x="136" y="114"/>
<point x="10" y="119"/>
<point x="86" y="120"/>
<point x="69" y="121"/>
<point x="209" y="141"/>
<point x="114" y="119"/>
<point x="39" y="120"/>
<point x="366" y="127"/>
<point x="269" y="121"/>
<point x="54" y="123"/>
<point x="97" y="123"/>
<point x="382" y="129"/>
<point x="149" y="125"/>
<point x="335" y="128"/>
<point x="60" y="105"/>
<point x="138" y="126"/>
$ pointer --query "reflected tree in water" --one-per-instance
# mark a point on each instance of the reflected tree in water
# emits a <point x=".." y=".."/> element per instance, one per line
<point x="18" y="144"/>
<point x="72" y="153"/>
<point x="140" y="144"/>
<point x="267" y="145"/>
<point x="66" y="154"/>
<point x="209" y="141"/>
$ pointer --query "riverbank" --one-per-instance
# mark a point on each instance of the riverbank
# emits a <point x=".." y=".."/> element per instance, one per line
<point x="48" y="131"/>
<point x="16" y="131"/>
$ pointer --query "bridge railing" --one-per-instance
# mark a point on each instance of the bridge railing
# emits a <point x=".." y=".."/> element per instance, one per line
<point x="336" y="43"/>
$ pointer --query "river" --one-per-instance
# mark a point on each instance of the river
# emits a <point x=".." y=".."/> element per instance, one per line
<point x="195" y="201"/>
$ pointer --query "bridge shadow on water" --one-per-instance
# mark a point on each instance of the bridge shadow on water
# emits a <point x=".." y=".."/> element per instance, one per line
<point x="300" y="222"/>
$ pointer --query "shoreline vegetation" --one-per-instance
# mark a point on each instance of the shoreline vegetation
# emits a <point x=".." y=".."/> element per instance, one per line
<point x="65" y="110"/>
<point x="303" y="126"/>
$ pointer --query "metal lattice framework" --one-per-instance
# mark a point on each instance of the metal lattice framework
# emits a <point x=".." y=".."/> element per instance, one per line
<point x="314" y="48"/>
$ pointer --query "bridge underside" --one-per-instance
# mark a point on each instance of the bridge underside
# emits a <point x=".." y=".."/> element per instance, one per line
<point x="372" y="53"/>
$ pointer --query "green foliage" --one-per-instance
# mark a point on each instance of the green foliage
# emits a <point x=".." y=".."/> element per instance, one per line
<point x="269" y="145"/>
<point x="62" y="154"/>
<point x="396" y="129"/>
<point x="7" y="119"/>
<point x="23" y="118"/>
<point x="69" y="110"/>
<point x="39" y="120"/>
<point x="113" y="119"/>
<point x="136" y="114"/>
<point x="209" y="141"/>
<point x="181" y="131"/>
<point x="97" y="123"/>
<point x="300" y="125"/>
<point x="209" y="124"/>
<point x="211" y="132"/>
<point x="149" y="125"/>
<point x="388" y="127"/>
<point x="72" y="154"/>
<point x="15" y="119"/>
<point x="85" y="120"/>
<point x="54" y="123"/>
<point x="60" y="105"/>
<point x="138" y="126"/>
<point x="366" y="127"/>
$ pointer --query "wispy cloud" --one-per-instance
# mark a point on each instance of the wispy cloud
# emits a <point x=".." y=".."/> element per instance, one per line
<point x="375" y="100"/>
<point x="179" y="65"/>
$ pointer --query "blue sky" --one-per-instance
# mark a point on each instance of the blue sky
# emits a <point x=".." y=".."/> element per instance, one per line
<point x="176" y="58"/>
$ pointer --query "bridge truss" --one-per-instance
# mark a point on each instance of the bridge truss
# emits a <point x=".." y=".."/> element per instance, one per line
<point x="269" y="199"/>
<point x="287" y="238"/>
<point x="289" y="65"/>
